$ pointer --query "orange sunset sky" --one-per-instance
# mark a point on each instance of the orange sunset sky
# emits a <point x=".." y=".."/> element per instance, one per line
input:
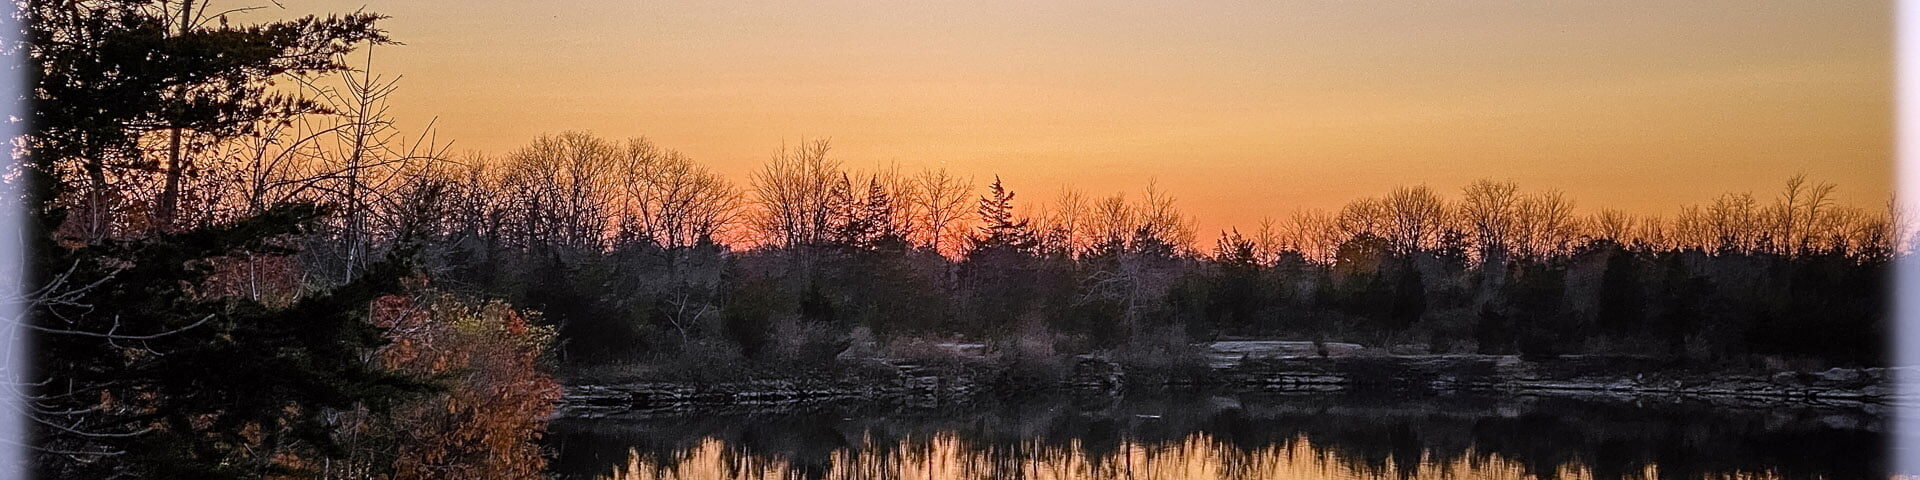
<point x="1240" y="109"/>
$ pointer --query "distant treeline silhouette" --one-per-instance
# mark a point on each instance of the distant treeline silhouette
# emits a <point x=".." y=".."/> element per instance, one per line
<point x="636" y="252"/>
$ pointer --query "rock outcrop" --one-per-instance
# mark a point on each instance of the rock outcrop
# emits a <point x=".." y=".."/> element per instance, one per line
<point x="1265" y="366"/>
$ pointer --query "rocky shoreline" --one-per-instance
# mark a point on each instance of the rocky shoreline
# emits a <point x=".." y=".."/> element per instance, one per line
<point x="1613" y="377"/>
<point x="1576" y="376"/>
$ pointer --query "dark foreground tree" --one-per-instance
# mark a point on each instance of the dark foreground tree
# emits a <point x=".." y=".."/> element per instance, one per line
<point x="136" y="86"/>
<point x="144" y="372"/>
<point x="149" y="364"/>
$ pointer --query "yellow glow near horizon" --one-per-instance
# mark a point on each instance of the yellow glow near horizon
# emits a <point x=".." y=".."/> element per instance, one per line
<point x="1242" y="110"/>
<point x="1196" y="457"/>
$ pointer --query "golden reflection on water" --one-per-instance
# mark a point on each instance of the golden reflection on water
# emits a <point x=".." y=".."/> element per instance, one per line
<point x="947" y="457"/>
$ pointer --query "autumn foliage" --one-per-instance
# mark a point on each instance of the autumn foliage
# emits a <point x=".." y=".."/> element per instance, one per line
<point x="496" y="398"/>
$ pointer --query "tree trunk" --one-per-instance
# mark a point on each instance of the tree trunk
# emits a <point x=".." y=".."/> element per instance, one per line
<point x="170" y="193"/>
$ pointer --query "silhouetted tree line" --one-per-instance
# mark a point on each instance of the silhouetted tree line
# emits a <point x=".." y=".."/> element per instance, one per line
<point x="638" y="253"/>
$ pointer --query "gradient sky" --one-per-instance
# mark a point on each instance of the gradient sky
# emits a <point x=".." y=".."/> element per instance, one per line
<point x="1241" y="110"/>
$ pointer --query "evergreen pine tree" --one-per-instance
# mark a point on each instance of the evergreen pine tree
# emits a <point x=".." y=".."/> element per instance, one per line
<point x="146" y="369"/>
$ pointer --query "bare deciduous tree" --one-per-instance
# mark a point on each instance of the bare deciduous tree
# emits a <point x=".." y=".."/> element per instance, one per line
<point x="1490" y="210"/>
<point x="669" y="200"/>
<point x="941" y="202"/>
<point x="1113" y="222"/>
<point x="1064" y="225"/>
<point x="1546" y="225"/>
<point x="1612" y="225"/>
<point x="558" y="191"/>
<point x="793" y="195"/>
<point x="1415" y="218"/>
<point x="1161" y="221"/>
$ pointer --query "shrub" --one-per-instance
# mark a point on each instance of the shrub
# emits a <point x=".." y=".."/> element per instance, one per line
<point x="1161" y="354"/>
<point x="799" y="342"/>
<point x="490" y="360"/>
<point x="1028" y="360"/>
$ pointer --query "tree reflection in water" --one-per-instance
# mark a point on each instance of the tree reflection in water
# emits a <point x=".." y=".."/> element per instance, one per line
<point x="1235" y="437"/>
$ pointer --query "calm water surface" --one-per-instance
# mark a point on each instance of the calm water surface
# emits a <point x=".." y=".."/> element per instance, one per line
<point x="1234" y="437"/>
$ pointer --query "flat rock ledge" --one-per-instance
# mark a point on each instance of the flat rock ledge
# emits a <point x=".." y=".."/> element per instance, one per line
<point x="1573" y="376"/>
<point x="911" y="386"/>
<point x="1612" y="377"/>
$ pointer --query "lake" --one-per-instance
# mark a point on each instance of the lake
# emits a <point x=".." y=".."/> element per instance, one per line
<point x="1234" y="436"/>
